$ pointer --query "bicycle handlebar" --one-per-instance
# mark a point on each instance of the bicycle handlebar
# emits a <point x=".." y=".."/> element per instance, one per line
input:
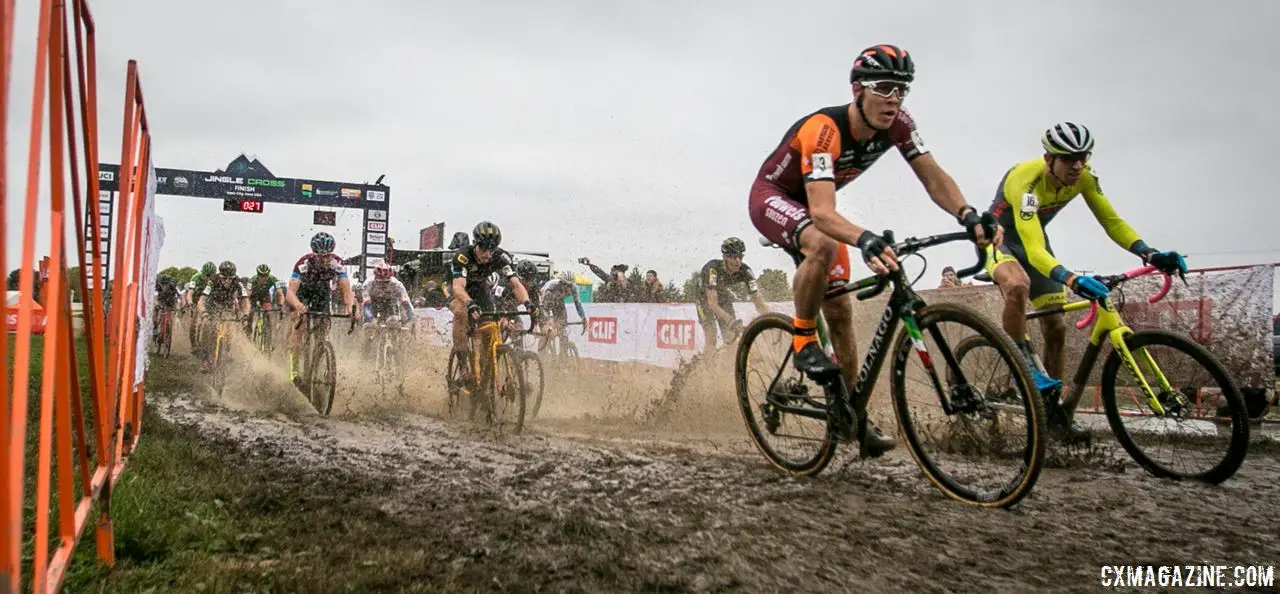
<point x="907" y="247"/>
<point x="316" y="314"/>
<point x="1113" y="281"/>
<point x="503" y="314"/>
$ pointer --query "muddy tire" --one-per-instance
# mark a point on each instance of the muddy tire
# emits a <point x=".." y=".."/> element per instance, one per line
<point x="764" y="419"/>
<point x="220" y="362"/>
<point x="1230" y="420"/>
<point x="535" y="381"/>
<point x="323" y="376"/>
<point x="510" y="400"/>
<point x="954" y="432"/>
<point x="454" y="385"/>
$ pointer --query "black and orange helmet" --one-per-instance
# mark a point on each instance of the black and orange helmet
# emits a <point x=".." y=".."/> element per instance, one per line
<point x="883" y="62"/>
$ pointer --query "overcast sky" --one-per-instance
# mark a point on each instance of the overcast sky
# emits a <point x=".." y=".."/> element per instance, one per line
<point x="631" y="131"/>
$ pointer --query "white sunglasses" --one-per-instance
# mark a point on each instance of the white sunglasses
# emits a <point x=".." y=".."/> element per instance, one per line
<point x="887" y="88"/>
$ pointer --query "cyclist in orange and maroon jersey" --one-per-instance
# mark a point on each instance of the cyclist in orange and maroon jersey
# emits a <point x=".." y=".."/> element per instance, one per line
<point x="792" y="203"/>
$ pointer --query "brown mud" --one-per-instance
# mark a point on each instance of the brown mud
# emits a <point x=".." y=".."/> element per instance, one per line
<point x="601" y="494"/>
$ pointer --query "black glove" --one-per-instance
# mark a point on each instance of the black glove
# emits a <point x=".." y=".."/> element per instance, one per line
<point x="473" y="310"/>
<point x="872" y="245"/>
<point x="1171" y="263"/>
<point x="971" y="221"/>
<point x="533" y="313"/>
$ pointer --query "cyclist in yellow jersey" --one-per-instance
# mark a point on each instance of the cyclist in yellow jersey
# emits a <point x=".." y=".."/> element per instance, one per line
<point x="1024" y="266"/>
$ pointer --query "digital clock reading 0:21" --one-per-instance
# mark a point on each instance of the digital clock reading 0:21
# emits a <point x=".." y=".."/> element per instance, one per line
<point x="242" y="205"/>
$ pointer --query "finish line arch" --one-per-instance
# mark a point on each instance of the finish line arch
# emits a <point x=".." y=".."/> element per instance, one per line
<point x="246" y="185"/>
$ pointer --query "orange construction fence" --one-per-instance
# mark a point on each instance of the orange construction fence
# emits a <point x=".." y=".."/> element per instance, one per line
<point x="77" y="455"/>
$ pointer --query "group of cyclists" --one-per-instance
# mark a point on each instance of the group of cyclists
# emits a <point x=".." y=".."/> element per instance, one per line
<point x="791" y="202"/>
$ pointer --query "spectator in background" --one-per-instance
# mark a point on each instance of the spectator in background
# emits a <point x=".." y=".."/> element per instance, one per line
<point x="615" y="289"/>
<point x="950" y="280"/>
<point x="653" y="290"/>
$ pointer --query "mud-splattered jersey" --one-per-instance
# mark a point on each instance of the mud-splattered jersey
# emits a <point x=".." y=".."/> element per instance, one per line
<point x="714" y="275"/>
<point x="223" y="293"/>
<point x="820" y="147"/>
<point x="465" y="265"/>
<point x="391" y="292"/>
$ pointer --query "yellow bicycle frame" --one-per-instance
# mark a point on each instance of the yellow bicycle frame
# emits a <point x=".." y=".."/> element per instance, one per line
<point x="1110" y="325"/>
<point x="220" y="332"/>
<point x="491" y="337"/>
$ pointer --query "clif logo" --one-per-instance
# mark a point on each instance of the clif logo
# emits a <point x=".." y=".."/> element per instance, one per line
<point x="603" y="330"/>
<point x="675" y="334"/>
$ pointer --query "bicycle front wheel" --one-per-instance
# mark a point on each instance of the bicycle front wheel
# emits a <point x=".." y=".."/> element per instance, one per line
<point x="1204" y="426"/>
<point x="785" y="412"/>
<point x="323" y="373"/>
<point x="455" y="381"/>
<point x="977" y="441"/>
<point x="535" y="382"/>
<point x="168" y="335"/>
<point x="509" y="397"/>
<point x="219" y="365"/>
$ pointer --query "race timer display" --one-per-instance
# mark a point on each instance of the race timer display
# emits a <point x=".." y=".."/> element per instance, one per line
<point x="242" y="205"/>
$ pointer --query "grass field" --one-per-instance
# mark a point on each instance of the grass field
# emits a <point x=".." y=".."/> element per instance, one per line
<point x="195" y="515"/>
<point x="200" y="515"/>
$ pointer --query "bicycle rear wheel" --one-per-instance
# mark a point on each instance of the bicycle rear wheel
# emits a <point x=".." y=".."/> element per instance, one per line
<point x="1204" y="410"/>
<point x="531" y="367"/>
<point x="977" y="441"/>
<point x="323" y="373"/>
<point x="779" y="403"/>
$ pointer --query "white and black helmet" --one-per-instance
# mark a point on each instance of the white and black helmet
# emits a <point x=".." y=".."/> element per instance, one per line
<point x="1067" y="138"/>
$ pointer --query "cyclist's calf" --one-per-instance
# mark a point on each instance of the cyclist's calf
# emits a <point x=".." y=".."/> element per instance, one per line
<point x="1055" y="340"/>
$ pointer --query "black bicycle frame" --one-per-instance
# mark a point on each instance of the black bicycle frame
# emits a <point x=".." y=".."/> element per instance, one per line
<point x="903" y="303"/>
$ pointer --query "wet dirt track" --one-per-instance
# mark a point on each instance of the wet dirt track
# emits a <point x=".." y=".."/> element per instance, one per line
<point x="595" y="501"/>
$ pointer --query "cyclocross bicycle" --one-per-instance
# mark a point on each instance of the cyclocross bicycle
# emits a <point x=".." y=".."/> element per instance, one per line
<point x="263" y="332"/>
<point x="389" y="364"/>
<point x="224" y="324"/>
<point x="164" y="331"/>
<point x="493" y="380"/>
<point x="1199" y="407"/>
<point x="559" y="345"/>
<point x="318" y="378"/>
<point x="971" y="447"/>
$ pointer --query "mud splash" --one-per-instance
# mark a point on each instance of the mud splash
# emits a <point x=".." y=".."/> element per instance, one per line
<point x="595" y="496"/>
